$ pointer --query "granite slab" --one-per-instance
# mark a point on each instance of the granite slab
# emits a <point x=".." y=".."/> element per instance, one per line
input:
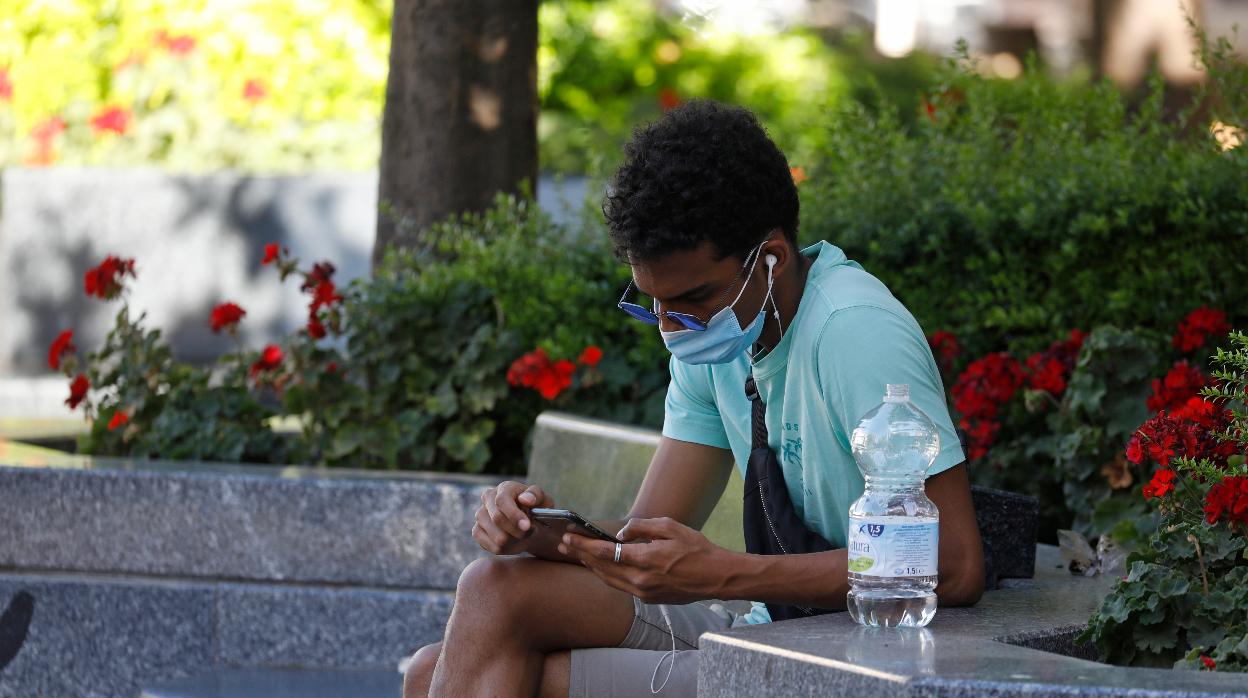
<point x="102" y="635"/>
<point x="258" y="523"/>
<point x="325" y="628"/>
<point x="282" y="683"/>
<point x="105" y="638"/>
<point x="993" y="648"/>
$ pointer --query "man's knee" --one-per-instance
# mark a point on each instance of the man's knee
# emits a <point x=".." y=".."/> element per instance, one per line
<point x="494" y="585"/>
<point x="419" y="673"/>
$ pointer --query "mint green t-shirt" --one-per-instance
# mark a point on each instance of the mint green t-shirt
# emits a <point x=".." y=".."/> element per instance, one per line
<point x="849" y="338"/>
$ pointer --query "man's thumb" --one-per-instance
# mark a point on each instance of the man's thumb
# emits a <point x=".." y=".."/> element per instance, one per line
<point x="644" y="529"/>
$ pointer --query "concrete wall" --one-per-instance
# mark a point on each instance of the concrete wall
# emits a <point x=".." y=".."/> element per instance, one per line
<point x="198" y="241"/>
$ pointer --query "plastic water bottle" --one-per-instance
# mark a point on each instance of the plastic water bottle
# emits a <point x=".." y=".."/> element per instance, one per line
<point x="893" y="527"/>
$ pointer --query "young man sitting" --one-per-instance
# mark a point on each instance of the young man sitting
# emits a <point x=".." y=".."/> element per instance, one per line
<point x="705" y="211"/>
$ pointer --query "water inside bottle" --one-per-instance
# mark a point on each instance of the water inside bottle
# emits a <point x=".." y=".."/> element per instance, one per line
<point x="894" y="527"/>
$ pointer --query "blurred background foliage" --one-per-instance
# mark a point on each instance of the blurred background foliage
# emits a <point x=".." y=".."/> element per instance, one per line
<point x="193" y="85"/>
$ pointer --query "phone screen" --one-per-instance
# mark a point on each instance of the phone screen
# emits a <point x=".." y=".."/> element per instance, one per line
<point x="558" y="520"/>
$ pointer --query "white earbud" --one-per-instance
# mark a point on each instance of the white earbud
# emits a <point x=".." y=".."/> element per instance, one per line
<point x="771" y="265"/>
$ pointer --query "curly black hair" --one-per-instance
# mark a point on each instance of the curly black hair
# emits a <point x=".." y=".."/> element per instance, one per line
<point x="704" y="171"/>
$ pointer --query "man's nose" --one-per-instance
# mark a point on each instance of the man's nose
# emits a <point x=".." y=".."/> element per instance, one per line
<point x="667" y="324"/>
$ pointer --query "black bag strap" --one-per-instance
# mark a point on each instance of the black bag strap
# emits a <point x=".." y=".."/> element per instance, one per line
<point x="758" y="414"/>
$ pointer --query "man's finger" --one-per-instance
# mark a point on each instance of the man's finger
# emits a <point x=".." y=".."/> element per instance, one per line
<point x="514" y="521"/>
<point x="487" y="544"/>
<point x="648" y="529"/>
<point x="534" y="496"/>
<point x="600" y="550"/>
<point x="498" y="519"/>
<point x="490" y="530"/>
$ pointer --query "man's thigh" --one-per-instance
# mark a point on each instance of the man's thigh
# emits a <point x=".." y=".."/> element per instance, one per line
<point x="549" y="606"/>
<point x="644" y="662"/>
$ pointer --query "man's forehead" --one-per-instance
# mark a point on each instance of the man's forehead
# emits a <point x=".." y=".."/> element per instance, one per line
<point x="679" y="272"/>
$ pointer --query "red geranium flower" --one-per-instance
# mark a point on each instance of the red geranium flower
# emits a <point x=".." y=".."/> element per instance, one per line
<point x="978" y="394"/>
<point x="104" y="281"/>
<point x="44" y="134"/>
<point x="1208" y="662"/>
<point x="114" y="118"/>
<point x="1047" y="373"/>
<point x="180" y="45"/>
<point x="63" y="344"/>
<point x="669" y="98"/>
<point x="271" y="253"/>
<point x="1050" y="370"/>
<point x="6" y="85"/>
<point x="987" y="384"/>
<point x="321" y="272"/>
<point x="325" y="294"/>
<point x="550" y="383"/>
<point x="1229" y="498"/>
<point x="270" y="359"/>
<point x="980" y="437"/>
<point x="254" y="90"/>
<point x="226" y="316"/>
<point x="1165" y="436"/>
<point x="1182" y="382"/>
<point x="1199" y="325"/>
<point x="1161" y="484"/>
<point x="120" y="419"/>
<point x="945" y="346"/>
<point x="591" y="356"/>
<point x="77" y="390"/>
<point x="535" y="370"/>
<point x="316" y="329"/>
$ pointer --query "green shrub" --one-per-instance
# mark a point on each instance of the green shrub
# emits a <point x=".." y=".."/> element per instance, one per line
<point x="202" y="85"/>
<point x="1014" y="211"/>
<point x="554" y="289"/>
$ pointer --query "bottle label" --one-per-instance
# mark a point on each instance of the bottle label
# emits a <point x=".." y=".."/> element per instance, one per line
<point x="893" y="546"/>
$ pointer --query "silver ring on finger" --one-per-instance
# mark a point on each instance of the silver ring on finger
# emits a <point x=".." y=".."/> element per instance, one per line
<point x="619" y="548"/>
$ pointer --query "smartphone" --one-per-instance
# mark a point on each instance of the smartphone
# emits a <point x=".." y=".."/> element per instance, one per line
<point x="558" y="520"/>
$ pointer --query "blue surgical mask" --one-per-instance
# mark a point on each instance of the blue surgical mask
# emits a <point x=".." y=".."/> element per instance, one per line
<point x="723" y="339"/>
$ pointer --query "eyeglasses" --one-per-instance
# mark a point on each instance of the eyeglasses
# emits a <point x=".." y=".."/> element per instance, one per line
<point x="686" y="320"/>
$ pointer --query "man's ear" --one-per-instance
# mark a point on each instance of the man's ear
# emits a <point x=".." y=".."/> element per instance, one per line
<point x="778" y="247"/>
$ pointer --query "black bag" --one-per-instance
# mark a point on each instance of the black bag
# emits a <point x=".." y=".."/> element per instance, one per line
<point x="771" y="525"/>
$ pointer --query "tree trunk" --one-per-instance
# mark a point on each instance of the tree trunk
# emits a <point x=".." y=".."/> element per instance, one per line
<point x="460" y="119"/>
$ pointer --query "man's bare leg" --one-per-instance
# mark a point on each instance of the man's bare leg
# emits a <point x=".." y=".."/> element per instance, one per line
<point x="556" y="673"/>
<point x="509" y="614"/>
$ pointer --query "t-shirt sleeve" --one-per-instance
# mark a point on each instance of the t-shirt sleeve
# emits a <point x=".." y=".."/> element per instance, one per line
<point x="863" y="348"/>
<point x="690" y="411"/>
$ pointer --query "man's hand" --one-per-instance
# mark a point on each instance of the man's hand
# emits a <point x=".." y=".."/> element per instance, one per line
<point x="663" y="561"/>
<point x="503" y="526"/>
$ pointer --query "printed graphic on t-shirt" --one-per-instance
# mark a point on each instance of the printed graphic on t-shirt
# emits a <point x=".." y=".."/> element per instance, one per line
<point x="791" y="451"/>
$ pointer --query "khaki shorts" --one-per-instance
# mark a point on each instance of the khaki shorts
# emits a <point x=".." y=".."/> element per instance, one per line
<point x="626" y="671"/>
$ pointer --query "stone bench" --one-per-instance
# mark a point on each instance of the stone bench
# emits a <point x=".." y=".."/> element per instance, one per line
<point x="1017" y="642"/>
<point x="146" y="572"/>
